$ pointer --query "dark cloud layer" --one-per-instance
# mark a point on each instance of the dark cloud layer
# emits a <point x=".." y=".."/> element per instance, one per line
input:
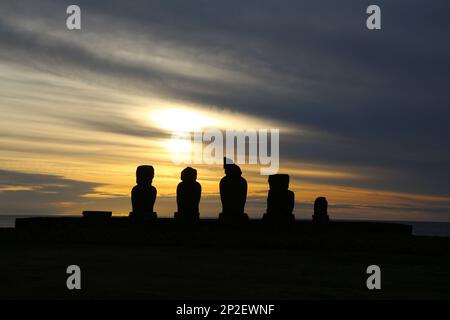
<point x="39" y="193"/>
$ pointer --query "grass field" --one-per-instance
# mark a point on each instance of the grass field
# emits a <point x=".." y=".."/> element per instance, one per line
<point x="147" y="272"/>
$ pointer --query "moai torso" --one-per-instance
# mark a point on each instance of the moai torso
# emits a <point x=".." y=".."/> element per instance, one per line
<point x="143" y="198"/>
<point x="280" y="200"/>
<point x="233" y="191"/>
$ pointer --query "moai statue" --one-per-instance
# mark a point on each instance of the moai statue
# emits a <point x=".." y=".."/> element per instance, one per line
<point x="280" y="200"/>
<point x="320" y="211"/>
<point x="143" y="195"/>
<point x="233" y="193"/>
<point x="188" y="196"/>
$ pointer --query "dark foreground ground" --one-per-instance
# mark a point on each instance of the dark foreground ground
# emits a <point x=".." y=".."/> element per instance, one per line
<point x="157" y="272"/>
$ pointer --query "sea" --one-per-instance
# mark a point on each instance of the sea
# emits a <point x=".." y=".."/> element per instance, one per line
<point x="420" y="228"/>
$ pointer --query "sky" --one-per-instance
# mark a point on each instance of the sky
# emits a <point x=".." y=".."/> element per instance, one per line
<point x="363" y="115"/>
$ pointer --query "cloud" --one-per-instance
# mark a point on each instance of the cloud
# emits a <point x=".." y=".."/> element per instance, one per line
<point x="40" y="193"/>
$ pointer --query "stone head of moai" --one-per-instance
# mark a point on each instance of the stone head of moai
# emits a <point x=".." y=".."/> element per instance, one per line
<point x="144" y="175"/>
<point x="279" y="182"/>
<point x="189" y="175"/>
<point x="231" y="170"/>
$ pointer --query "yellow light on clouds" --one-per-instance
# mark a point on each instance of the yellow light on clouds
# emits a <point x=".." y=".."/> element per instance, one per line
<point x="178" y="145"/>
<point x="182" y="120"/>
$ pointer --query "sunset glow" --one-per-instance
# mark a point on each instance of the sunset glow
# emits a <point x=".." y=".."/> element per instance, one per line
<point x="81" y="110"/>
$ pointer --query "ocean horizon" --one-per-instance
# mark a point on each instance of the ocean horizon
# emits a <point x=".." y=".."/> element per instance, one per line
<point x="420" y="228"/>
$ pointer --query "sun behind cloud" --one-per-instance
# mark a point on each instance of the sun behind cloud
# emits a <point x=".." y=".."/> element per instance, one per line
<point x="182" y="120"/>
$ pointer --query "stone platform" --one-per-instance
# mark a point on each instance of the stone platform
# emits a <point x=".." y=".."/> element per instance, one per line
<point x="205" y="232"/>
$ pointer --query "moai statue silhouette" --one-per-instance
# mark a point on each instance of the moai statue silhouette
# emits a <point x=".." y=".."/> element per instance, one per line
<point x="143" y="195"/>
<point x="280" y="200"/>
<point x="188" y="196"/>
<point x="321" y="211"/>
<point x="233" y="193"/>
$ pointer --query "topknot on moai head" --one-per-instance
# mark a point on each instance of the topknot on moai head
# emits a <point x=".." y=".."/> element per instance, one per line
<point x="188" y="175"/>
<point x="231" y="169"/>
<point x="279" y="182"/>
<point x="144" y="174"/>
<point x="321" y="206"/>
